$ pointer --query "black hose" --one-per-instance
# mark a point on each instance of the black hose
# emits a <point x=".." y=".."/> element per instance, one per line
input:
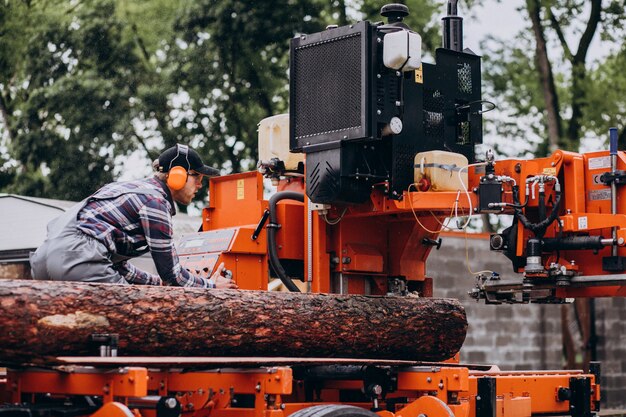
<point x="271" y="237"/>
<point x="537" y="228"/>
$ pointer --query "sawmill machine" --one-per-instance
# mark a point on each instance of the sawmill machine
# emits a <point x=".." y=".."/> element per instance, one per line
<point x="376" y="153"/>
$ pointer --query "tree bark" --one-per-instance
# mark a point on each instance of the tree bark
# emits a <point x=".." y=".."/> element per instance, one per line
<point x="546" y="77"/>
<point x="40" y="320"/>
<point x="579" y="75"/>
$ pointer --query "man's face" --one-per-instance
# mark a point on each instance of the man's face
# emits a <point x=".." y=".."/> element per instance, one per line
<point x="187" y="193"/>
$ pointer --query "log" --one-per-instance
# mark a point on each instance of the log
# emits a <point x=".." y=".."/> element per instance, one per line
<point x="40" y="320"/>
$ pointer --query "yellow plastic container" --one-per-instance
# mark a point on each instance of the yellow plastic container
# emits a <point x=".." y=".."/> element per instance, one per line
<point x="274" y="141"/>
<point x="441" y="169"/>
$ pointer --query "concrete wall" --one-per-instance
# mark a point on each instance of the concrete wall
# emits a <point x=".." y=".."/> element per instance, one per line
<point x="524" y="337"/>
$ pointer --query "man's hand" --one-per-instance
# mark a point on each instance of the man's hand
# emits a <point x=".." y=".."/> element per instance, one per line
<point x="222" y="283"/>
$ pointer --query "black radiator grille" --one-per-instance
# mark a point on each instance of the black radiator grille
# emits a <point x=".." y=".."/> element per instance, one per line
<point x="433" y="114"/>
<point x="328" y="86"/>
<point x="465" y="78"/>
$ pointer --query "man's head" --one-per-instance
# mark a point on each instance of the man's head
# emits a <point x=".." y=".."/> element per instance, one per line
<point x="184" y="171"/>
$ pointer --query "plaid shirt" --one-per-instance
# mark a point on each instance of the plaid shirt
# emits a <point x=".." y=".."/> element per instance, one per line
<point x="130" y="222"/>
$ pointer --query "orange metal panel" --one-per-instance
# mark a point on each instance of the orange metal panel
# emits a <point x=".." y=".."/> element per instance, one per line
<point x="435" y="379"/>
<point x="363" y="258"/>
<point x="243" y="243"/>
<point x="250" y="271"/>
<point x="540" y="387"/>
<point x="234" y="200"/>
<point x="290" y="237"/>
<point x="131" y="382"/>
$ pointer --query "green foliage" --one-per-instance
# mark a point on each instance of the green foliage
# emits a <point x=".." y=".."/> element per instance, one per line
<point x="606" y="97"/>
<point x="589" y="84"/>
<point x="85" y="83"/>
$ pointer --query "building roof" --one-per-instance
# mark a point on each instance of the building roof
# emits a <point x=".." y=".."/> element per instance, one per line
<point x="24" y="219"/>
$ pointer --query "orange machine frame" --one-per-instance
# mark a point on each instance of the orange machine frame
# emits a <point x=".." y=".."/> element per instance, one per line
<point x="373" y="242"/>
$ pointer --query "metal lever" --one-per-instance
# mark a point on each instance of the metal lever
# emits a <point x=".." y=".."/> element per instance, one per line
<point x="432" y="242"/>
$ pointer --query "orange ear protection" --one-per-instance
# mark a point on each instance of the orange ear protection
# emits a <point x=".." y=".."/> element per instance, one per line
<point x="177" y="177"/>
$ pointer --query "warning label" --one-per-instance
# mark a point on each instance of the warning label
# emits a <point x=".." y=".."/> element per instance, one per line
<point x="600" y="162"/>
<point x="596" y="195"/>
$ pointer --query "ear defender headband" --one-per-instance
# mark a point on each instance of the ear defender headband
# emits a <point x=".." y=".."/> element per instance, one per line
<point x="177" y="177"/>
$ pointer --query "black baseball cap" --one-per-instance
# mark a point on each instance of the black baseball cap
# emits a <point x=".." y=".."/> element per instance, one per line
<point x="184" y="156"/>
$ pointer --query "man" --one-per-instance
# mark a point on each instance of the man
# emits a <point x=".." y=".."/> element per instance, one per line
<point x="93" y="240"/>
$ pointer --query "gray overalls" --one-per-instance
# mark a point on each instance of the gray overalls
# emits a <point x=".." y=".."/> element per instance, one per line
<point x="68" y="254"/>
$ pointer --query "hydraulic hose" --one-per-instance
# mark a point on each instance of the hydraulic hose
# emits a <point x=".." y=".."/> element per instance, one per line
<point x="537" y="228"/>
<point x="272" y="227"/>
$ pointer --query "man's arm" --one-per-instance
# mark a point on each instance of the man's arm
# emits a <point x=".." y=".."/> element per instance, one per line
<point x="156" y="222"/>
<point x="134" y="275"/>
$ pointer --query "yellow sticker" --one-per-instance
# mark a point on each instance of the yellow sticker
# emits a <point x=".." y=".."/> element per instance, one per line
<point x="240" y="190"/>
<point x="418" y="76"/>
<point x="549" y="171"/>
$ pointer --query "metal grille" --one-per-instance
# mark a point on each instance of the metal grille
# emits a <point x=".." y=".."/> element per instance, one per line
<point x="465" y="78"/>
<point x="433" y="113"/>
<point x="403" y="157"/>
<point x="464" y="137"/>
<point x="328" y="86"/>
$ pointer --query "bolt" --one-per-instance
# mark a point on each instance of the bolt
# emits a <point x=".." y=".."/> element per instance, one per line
<point x="282" y="406"/>
<point x="378" y="76"/>
<point x="378" y="112"/>
<point x="441" y="385"/>
<point x="171" y="403"/>
<point x="429" y="380"/>
<point x="379" y="40"/>
<point x="258" y="387"/>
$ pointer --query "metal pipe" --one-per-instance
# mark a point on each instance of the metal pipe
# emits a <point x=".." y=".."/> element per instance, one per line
<point x="453" y="28"/>
<point x="613" y="153"/>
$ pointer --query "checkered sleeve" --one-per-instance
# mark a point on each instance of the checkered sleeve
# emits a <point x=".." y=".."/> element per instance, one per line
<point x="156" y="222"/>
<point x="134" y="275"/>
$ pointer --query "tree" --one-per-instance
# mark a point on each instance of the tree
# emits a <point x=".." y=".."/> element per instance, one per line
<point x="68" y="91"/>
<point x="94" y="80"/>
<point x="83" y="84"/>
<point x="552" y="97"/>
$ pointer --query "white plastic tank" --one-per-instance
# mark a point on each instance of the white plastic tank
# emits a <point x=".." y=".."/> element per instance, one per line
<point x="274" y="141"/>
<point x="441" y="169"/>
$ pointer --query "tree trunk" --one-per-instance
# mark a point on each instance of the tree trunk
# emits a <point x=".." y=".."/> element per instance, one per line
<point x="40" y="320"/>
<point x="546" y="77"/>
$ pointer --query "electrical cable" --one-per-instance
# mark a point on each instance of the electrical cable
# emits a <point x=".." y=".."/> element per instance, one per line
<point x="417" y="218"/>
<point x="336" y="220"/>
<point x="469" y="198"/>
